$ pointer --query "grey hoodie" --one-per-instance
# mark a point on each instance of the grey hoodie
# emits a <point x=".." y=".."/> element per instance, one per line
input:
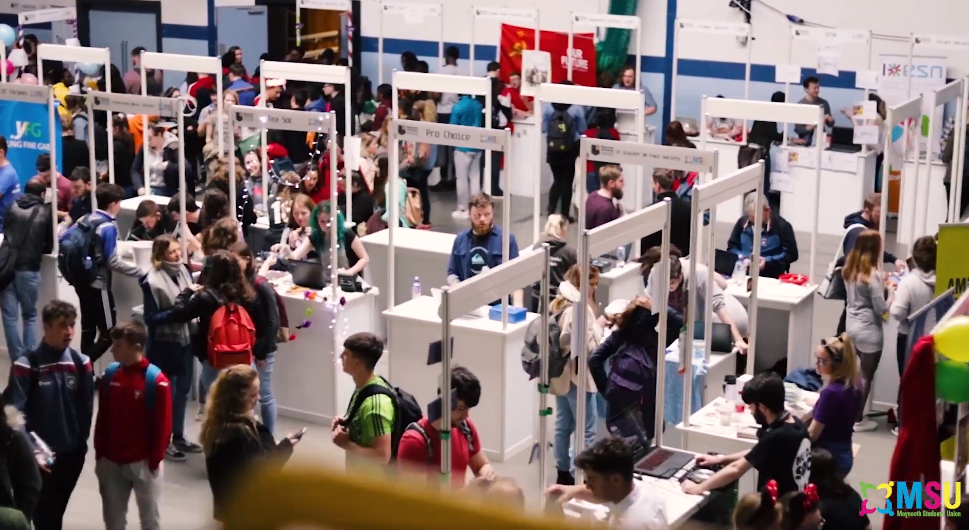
<point x="914" y="292"/>
<point x="865" y="307"/>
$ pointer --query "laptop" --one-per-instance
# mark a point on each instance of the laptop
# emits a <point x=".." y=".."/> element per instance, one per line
<point x="843" y="140"/>
<point x="309" y="274"/>
<point x="724" y="262"/>
<point x="651" y="461"/>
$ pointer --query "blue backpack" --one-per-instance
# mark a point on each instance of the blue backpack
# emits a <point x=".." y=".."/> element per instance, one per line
<point x="151" y="382"/>
<point x="76" y="259"/>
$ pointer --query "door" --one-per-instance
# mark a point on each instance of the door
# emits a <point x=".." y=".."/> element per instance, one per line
<point x="122" y="32"/>
<point x="245" y="27"/>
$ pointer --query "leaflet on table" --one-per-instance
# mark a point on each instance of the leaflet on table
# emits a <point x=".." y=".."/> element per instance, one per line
<point x="830" y="160"/>
<point x="782" y="182"/>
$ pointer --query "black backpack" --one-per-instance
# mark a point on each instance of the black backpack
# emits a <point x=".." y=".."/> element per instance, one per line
<point x="406" y="409"/>
<point x="463" y="427"/>
<point x="76" y="259"/>
<point x="558" y="359"/>
<point x="561" y="136"/>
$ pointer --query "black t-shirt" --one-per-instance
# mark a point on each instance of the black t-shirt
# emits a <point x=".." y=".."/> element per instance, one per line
<point x="842" y="511"/>
<point x="782" y="453"/>
<point x="479" y="256"/>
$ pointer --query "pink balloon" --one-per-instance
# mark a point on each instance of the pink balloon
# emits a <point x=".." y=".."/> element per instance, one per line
<point x="28" y="79"/>
<point x="9" y="67"/>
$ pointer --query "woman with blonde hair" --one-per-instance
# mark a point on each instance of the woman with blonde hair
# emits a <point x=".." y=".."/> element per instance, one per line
<point x="232" y="438"/>
<point x="758" y="511"/>
<point x="840" y="401"/>
<point x="867" y="301"/>
<point x="369" y="145"/>
<point x="565" y="387"/>
<point x="563" y="256"/>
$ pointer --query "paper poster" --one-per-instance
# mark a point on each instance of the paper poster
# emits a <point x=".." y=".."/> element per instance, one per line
<point x="787" y="73"/>
<point x="829" y="54"/>
<point x="866" y="135"/>
<point x="866" y="79"/>
<point x="413" y="15"/>
<point x="828" y="65"/>
<point x="865" y="110"/>
<point x="780" y="162"/>
<point x="351" y="154"/>
<point x="536" y="69"/>
<point x="782" y="182"/>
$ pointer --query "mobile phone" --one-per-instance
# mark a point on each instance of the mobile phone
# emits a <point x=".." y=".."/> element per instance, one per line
<point x="299" y="435"/>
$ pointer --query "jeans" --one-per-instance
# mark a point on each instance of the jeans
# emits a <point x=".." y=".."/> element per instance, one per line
<point x="467" y="173"/>
<point x="445" y="154"/>
<point x="267" y="403"/>
<point x="565" y="407"/>
<point x="841" y="451"/>
<point x="117" y="481"/>
<point x="209" y="374"/>
<point x="181" y="387"/>
<point x="20" y="297"/>
<point x="495" y="173"/>
<point x="420" y="182"/>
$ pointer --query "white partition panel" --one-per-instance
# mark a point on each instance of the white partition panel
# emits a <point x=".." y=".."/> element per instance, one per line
<point x="412" y="13"/>
<point x="896" y="115"/>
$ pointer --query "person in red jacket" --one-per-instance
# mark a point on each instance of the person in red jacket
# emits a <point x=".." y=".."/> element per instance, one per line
<point x="133" y="429"/>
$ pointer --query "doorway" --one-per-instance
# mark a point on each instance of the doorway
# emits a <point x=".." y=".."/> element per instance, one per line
<point x="246" y="27"/>
<point x="119" y="26"/>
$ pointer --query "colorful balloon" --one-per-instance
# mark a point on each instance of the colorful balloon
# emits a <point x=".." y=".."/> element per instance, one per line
<point x="952" y="381"/>
<point x="89" y="69"/>
<point x="8" y="66"/>
<point x="7" y="35"/>
<point x="952" y="340"/>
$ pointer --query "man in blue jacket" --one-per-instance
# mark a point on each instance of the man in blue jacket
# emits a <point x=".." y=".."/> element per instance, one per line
<point x="478" y="249"/>
<point x="53" y="387"/>
<point x="237" y="82"/>
<point x="778" y="247"/>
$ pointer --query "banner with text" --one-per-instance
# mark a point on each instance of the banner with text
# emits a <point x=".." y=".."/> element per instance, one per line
<point x="25" y="126"/>
<point x="658" y="156"/>
<point x="451" y="135"/>
<point x="952" y="259"/>
<point x="515" y="40"/>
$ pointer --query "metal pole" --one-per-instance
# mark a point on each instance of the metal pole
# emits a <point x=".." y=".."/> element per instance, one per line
<point x="929" y="147"/>
<point x="886" y="166"/>
<point x="661" y="340"/>
<point x="543" y="409"/>
<point x="787" y="84"/>
<point x="506" y="233"/>
<point x="819" y="148"/>
<point x="110" y="122"/>
<point x="391" y="203"/>
<point x="335" y="242"/>
<point x="568" y="51"/>
<point x="446" y="384"/>
<point x="146" y="178"/>
<point x="686" y="340"/>
<point x="676" y="41"/>
<point x="639" y="62"/>
<point x="487" y="152"/>
<point x="579" y="341"/>
<point x="755" y="274"/>
<point x="51" y="111"/>
<point x="911" y="61"/>
<point x="960" y="152"/>
<point x="3" y="62"/>
<point x="641" y="177"/>
<point x="348" y="128"/>
<point x="380" y="49"/>
<point x="229" y="157"/>
<point x="263" y="158"/>
<point x="91" y="160"/>
<point x="183" y="224"/>
<point x="750" y="51"/>
<point x="474" y="21"/>
<point x="232" y="171"/>
<point x="440" y="41"/>
<point x="708" y="297"/>
<point x="864" y="147"/>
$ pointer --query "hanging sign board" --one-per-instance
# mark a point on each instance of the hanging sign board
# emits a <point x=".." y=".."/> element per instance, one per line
<point x="716" y="28"/>
<point x="605" y="21"/>
<point x="451" y="135"/>
<point x="286" y="120"/>
<point x="821" y="34"/>
<point x="42" y="16"/>
<point x="424" y="10"/>
<point x="25" y="93"/>
<point x="506" y="14"/>
<point x="132" y="104"/>
<point x="326" y="5"/>
<point x="941" y="41"/>
<point x="649" y="156"/>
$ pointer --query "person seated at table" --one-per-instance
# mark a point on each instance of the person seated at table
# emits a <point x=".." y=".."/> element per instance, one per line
<point x="280" y="209"/>
<point x="840" y="401"/>
<point x="783" y="449"/>
<point x="778" y="247"/>
<point x="794" y="511"/>
<point x="193" y="217"/>
<point x="150" y="221"/>
<point x="840" y="504"/>
<point x="360" y="199"/>
<point x="608" y="465"/>
<point x="319" y="242"/>
<point x="478" y="248"/>
<point x="725" y="128"/>
<point x="676" y="136"/>
<point x="603" y="206"/>
<point x="297" y="229"/>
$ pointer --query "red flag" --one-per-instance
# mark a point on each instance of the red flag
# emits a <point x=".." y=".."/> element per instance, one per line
<point x="515" y="39"/>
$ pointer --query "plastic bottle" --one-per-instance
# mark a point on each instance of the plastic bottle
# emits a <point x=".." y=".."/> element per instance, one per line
<point x="415" y="288"/>
<point x="731" y="392"/>
<point x="621" y="256"/>
<point x="739" y="272"/>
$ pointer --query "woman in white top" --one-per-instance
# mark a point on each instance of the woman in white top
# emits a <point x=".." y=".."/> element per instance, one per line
<point x="298" y="226"/>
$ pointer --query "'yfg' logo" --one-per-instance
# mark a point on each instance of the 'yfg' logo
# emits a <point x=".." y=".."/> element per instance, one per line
<point x="915" y="71"/>
<point x="26" y="129"/>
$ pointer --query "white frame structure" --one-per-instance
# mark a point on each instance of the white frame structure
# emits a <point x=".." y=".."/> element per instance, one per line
<point x="481" y="290"/>
<point x="710" y="27"/>
<point x="954" y="91"/>
<point x="780" y="113"/>
<point x="310" y="73"/>
<point x="507" y="15"/>
<point x="54" y="14"/>
<point x="406" y="9"/>
<point x="597" y="21"/>
<point x="820" y="35"/>
<point x="900" y="114"/>
<point x="79" y="54"/>
<point x="452" y="136"/>
<point x="3" y="62"/>
<point x="595" y="97"/>
<point x="933" y="42"/>
<point x="142" y="105"/>
<point x="186" y="63"/>
<point x="706" y="197"/>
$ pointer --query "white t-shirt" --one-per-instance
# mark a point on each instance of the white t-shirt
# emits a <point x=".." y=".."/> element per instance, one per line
<point x="643" y="509"/>
<point x="448" y="100"/>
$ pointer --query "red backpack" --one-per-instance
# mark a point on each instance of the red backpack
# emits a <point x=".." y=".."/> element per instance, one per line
<point x="232" y="337"/>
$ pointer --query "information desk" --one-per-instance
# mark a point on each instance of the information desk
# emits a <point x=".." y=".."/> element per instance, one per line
<point x="846" y="179"/>
<point x="506" y="414"/>
<point x="421" y="254"/>
<point x="308" y="380"/>
<point x="786" y="313"/>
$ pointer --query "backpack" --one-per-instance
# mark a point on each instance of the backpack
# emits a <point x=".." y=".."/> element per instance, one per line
<point x="151" y="382"/>
<point x="406" y="410"/>
<point x="558" y="359"/>
<point x="76" y="258"/>
<point x="561" y="136"/>
<point x="413" y="210"/>
<point x="463" y="427"/>
<point x="629" y="376"/>
<point x="232" y="337"/>
<point x="282" y="334"/>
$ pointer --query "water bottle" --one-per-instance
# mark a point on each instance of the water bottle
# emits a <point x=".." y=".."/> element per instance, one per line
<point x="731" y="392"/>
<point x="621" y="256"/>
<point x="415" y="288"/>
<point x="739" y="272"/>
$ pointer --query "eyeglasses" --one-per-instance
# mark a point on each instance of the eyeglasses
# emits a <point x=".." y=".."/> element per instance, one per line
<point x="822" y="362"/>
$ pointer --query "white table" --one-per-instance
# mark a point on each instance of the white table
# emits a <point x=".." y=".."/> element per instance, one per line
<point x="785" y="314"/>
<point x="417" y="253"/>
<point x="126" y="217"/>
<point x="507" y="412"/>
<point x="308" y="381"/>
<point x="619" y="283"/>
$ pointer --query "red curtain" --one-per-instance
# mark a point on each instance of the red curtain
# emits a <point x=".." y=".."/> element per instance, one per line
<point x="514" y="39"/>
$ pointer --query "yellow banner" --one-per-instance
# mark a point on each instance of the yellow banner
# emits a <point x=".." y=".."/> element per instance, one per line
<point x="952" y="262"/>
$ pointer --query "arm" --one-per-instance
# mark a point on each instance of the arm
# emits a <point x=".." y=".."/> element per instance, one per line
<point x="267" y="302"/>
<point x="878" y="301"/>
<point x="599" y="357"/>
<point x="162" y="432"/>
<point x="24" y="473"/>
<point x="87" y="404"/>
<point x="301" y="252"/>
<point x="478" y="462"/>
<point x="901" y="307"/>
<point x="518" y="297"/>
<point x="733" y="243"/>
<point x="187" y="306"/>
<point x="789" y="244"/>
<point x="100" y="425"/>
<point x="725" y="476"/>
<point x="650" y="102"/>
<point x="362" y="257"/>
<point x="109" y="238"/>
<point x="453" y="274"/>
<point x="381" y="449"/>
<point x="814" y="429"/>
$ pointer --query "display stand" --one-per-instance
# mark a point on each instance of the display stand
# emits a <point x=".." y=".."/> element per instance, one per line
<point x="78" y="54"/>
<point x="311" y="73"/>
<point x="452" y="136"/>
<point x="504" y="15"/>
<point x="479" y="291"/>
<point x="710" y="28"/>
<point x="413" y="13"/>
<point x="822" y="35"/>
<point x="318" y="5"/>
<point x="770" y="112"/>
<point x="607" y="21"/>
<point x="42" y="16"/>
<point x="901" y="115"/>
<point x="954" y="91"/>
<point x="924" y="41"/>
<point x="592" y="97"/>
<point x="706" y="196"/>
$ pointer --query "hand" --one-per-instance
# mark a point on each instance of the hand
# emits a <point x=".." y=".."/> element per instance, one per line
<point x="900" y="265"/>
<point x="487" y="473"/>
<point x="164" y="165"/>
<point x="293" y="438"/>
<point x="294" y="237"/>
<point x="341" y="270"/>
<point x="275" y="248"/>
<point x="798" y="141"/>
<point x="709" y="460"/>
<point x="271" y="259"/>
<point x="341" y="438"/>
<point x="336" y="422"/>
<point x="41" y="462"/>
<point x="141" y="191"/>
<point x="763" y="262"/>
<point x="261" y="364"/>
<point x="195" y="287"/>
<point x="561" y="493"/>
<point x="809" y="127"/>
<point x="741" y="345"/>
<point x="691" y="488"/>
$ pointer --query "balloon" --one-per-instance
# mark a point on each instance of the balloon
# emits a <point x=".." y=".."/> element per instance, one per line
<point x="18" y="57"/>
<point x="952" y="381"/>
<point x="7" y="35"/>
<point x="952" y="340"/>
<point x="8" y="66"/>
<point x="28" y="79"/>
<point x="89" y="69"/>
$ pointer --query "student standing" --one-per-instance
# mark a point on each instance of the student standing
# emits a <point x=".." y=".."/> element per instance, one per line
<point x="840" y="401"/>
<point x="53" y="387"/>
<point x="132" y="431"/>
<point x="9" y="182"/>
<point x="812" y="89"/>
<point x="467" y="166"/>
<point x="680" y="213"/>
<point x="562" y="124"/>
<point x="603" y="206"/>
<point x="367" y="429"/>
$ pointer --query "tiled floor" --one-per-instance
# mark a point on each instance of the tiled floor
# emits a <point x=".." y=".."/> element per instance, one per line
<point x="186" y="501"/>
